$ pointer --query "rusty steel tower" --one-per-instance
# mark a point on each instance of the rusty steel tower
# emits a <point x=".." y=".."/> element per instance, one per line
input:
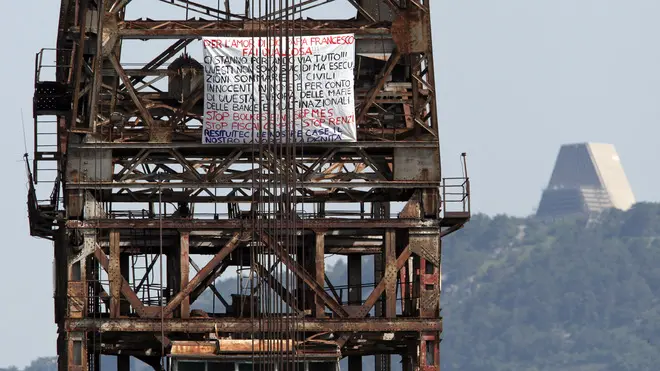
<point x="122" y="184"/>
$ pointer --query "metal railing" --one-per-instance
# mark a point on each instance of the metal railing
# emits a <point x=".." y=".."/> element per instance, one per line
<point x="146" y="214"/>
<point x="42" y="214"/>
<point x="40" y="67"/>
<point x="47" y="73"/>
<point x="456" y="192"/>
<point x="456" y="195"/>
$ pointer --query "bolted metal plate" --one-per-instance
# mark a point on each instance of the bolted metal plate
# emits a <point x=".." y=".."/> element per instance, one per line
<point x="89" y="245"/>
<point x="430" y="299"/>
<point x="76" y="298"/>
<point x="160" y="132"/>
<point x="426" y="244"/>
<point x="417" y="164"/>
<point x="411" y="31"/>
<point x="413" y="208"/>
<point x="110" y="33"/>
<point x="89" y="165"/>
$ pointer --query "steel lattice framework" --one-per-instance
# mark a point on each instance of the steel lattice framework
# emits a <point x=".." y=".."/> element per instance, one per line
<point x="135" y="189"/>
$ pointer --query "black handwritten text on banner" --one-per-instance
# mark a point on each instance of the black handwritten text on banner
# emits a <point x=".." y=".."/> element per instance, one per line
<point x="284" y="90"/>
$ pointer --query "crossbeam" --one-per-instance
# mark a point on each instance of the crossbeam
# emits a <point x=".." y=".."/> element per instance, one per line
<point x="345" y="147"/>
<point x="202" y="275"/>
<point x="207" y="224"/>
<point x="247" y="325"/>
<point x="195" y="185"/>
<point x="154" y="29"/>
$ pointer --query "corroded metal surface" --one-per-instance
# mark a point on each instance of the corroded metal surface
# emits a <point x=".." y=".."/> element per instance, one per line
<point x="209" y="348"/>
<point x="139" y="194"/>
<point x="194" y="325"/>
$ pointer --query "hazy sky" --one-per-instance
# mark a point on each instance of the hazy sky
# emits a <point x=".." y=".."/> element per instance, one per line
<point x="515" y="78"/>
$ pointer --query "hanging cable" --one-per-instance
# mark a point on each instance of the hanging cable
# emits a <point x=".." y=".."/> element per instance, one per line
<point x="160" y="252"/>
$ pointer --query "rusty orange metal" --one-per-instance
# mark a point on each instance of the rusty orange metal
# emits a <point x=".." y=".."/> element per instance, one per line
<point x="214" y="347"/>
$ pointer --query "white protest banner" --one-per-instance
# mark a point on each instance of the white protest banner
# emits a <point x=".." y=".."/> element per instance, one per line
<point x="284" y="90"/>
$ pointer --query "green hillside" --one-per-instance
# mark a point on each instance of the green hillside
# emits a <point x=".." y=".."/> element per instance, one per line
<point x="524" y="294"/>
<point x="567" y="295"/>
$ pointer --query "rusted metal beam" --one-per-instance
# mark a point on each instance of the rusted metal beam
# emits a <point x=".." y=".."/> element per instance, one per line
<point x="304" y="275"/>
<point x="382" y="362"/>
<point x="96" y="80"/>
<point x="146" y="116"/>
<point x="201" y="275"/>
<point x="391" y="271"/>
<point x="362" y="11"/>
<point x="219" y="168"/>
<point x="339" y="250"/>
<point x="184" y="270"/>
<point x="131" y="164"/>
<point x="202" y="224"/>
<point x="78" y="58"/>
<point x="146" y="273"/>
<point x="320" y="161"/>
<point x="153" y="29"/>
<point x="247" y="325"/>
<point x="255" y="289"/>
<point x="186" y="107"/>
<point x="332" y="289"/>
<point x="201" y="8"/>
<point x="211" y="348"/>
<point x="126" y="291"/>
<point x="184" y="196"/>
<point x="208" y="283"/>
<point x="356" y="178"/>
<point x="125" y="269"/>
<point x="104" y="296"/>
<point x="393" y="6"/>
<point x="114" y="274"/>
<point x="319" y="262"/>
<point x="396" y="184"/>
<point x="390" y="284"/>
<point x="373" y="93"/>
<point x="158" y="61"/>
<point x="354" y="267"/>
<point x="277" y="287"/>
<point x="118" y="6"/>
<point x="247" y="147"/>
<point x="389" y="275"/>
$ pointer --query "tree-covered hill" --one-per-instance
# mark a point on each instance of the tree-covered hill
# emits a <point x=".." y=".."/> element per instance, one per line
<point x="526" y="294"/>
<point x="572" y="294"/>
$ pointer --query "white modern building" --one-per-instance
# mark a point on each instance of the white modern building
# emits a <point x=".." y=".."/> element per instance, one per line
<point x="587" y="178"/>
